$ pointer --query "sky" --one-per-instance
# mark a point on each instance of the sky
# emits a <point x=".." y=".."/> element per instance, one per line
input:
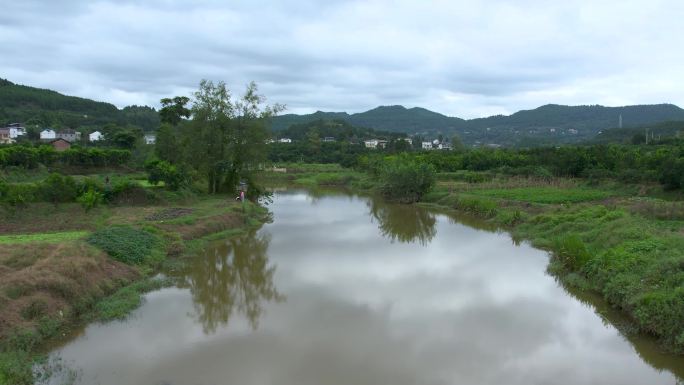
<point x="460" y="58"/>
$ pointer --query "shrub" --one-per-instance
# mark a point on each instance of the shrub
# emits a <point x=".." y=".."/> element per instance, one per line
<point x="162" y="171"/>
<point x="672" y="174"/>
<point x="57" y="188"/>
<point x="90" y="199"/>
<point x="125" y="244"/>
<point x="17" y="195"/>
<point x="406" y="180"/>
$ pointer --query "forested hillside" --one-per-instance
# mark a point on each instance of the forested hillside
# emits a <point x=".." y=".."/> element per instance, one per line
<point x="549" y="124"/>
<point x="43" y="107"/>
<point x="336" y="128"/>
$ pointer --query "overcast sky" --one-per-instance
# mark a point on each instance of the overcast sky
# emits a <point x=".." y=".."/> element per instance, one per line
<point x="461" y="58"/>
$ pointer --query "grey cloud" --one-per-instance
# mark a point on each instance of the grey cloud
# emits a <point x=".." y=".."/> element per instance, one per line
<point x="459" y="58"/>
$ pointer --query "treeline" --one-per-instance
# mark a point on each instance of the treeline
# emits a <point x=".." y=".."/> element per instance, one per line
<point x="57" y="188"/>
<point x="631" y="164"/>
<point x="31" y="157"/>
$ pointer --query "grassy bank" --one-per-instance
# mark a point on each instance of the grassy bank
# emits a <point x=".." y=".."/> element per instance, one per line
<point x="624" y="242"/>
<point x="61" y="267"/>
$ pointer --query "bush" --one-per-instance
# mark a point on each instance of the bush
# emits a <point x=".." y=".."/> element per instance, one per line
<point x="17" y="195"/>
<point x="90" y="199"/>
<point x="406" y="180"/>
<point x="57" y="188"/>
<point x="125" y="244"/>
<point x="162" y="171"/>
<point x="672" y="174"/>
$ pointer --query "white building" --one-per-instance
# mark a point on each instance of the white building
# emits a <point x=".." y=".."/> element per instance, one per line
<point x="408" y="140"/>
<point x="150" y="138"/>
<point x="427" y="145"/>
<point x="375" y="143"/>
<point x="285" y="140"/>
<point x="16" y="130"/>
<point x="95" y="136"/>
<point x="48" y="134"/>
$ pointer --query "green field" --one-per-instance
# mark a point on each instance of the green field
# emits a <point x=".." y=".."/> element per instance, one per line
<point x="548" y="195"/>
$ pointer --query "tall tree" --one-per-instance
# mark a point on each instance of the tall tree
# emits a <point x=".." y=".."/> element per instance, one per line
<point x="228" y="137"/>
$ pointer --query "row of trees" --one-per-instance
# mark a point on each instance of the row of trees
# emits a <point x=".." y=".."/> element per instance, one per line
<point x="664" y="163"/>
<point x="31" y="157"/>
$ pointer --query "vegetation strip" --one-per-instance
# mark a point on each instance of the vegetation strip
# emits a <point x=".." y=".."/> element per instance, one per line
<point x="43" y="237"/>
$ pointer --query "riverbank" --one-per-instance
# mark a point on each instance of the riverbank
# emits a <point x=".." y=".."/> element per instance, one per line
<point x="623" y="242"/>
<point x="61" y="266"/>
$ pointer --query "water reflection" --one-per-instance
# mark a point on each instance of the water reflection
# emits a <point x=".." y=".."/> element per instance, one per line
<point x="403" y="223"/>
<point x="234" y="275"/>
<point x="466" y="307"/>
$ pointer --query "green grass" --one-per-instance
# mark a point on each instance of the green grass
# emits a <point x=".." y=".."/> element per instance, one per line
<point x="327" y="179"/>
<point x="546" y="195"/>
<point x="126" y="299"/>
<point x="126" y="244"/>
<point x="42" y="237"/>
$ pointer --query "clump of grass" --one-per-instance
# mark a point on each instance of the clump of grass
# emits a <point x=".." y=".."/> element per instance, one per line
<point x="125" y="243"/>
<point x="126" y="299"/>
<point x="572" y="251"/>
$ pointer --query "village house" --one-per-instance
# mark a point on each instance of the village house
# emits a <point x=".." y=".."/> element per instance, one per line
<point x="16" y="130"/>
<point x="427" y="145"/>
<point x="5" y="136"/>
<point x="329" y="139"/>
<point x="444" y="146"/>
<point x="48" y="134"/>
<point x="60" y="144"/>
<point x="95" y="136"/>
<point x="375" y="143"/>
<point x="69" y="135"/>
<point x="285" y="140"/>
<point x="408" y="140"/>
<point x="150" y="138"/>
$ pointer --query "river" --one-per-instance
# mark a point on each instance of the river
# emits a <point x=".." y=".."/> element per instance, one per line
<point x="342" y="289"/>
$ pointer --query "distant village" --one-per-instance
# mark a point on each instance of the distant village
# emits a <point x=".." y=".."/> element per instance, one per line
<point x="381" y="143"/>
<point x="59" y="139"/>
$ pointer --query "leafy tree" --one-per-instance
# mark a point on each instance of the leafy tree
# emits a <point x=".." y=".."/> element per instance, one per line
<point x="174" y="110"/>
<point x="226" y="140"/>
<point x="167" y="144"/>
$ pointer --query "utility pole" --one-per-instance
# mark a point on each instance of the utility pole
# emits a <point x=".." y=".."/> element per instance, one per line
<point x="620" y="124"/>
<point x="647" y="136"/>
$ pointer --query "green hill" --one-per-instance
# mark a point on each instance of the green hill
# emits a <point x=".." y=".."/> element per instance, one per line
<point x="549" y="124"/>
<point x="336" y="128"/>
<point x="44" y="107"/>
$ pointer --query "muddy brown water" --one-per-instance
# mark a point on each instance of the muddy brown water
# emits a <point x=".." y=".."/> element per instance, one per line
<point x="342" y="289"/>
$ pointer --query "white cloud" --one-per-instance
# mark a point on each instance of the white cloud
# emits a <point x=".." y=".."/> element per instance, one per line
<point x="461" y="58"/>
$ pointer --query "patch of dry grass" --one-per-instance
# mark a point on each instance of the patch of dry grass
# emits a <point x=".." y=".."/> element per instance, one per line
<point x="44" y="279"/>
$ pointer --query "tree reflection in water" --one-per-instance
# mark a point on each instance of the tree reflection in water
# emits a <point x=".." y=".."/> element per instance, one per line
<point x="403" y="223"/>
<point x="234" y="276"/>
